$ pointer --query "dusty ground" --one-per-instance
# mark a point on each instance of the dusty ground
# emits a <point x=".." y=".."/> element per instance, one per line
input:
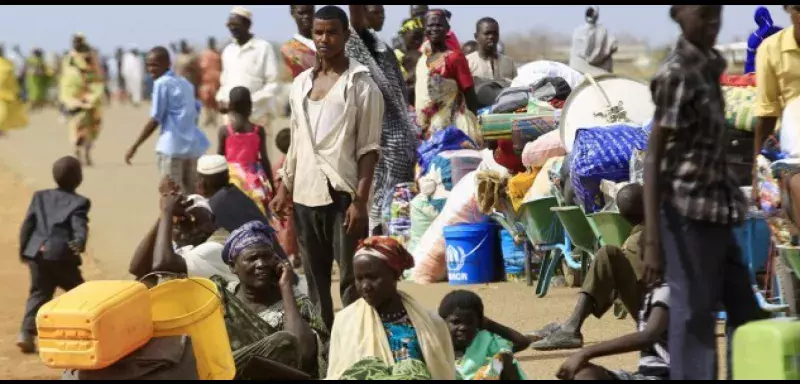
<point x="124" y="205"/>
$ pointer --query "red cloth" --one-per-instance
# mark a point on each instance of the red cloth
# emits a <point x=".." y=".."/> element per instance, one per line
<point x="457" y="68"/>
<point x="287" y="237"/>
<point x="505" y="156"/>
<point x="748" y="80"/>
<point x="394" y="254"/>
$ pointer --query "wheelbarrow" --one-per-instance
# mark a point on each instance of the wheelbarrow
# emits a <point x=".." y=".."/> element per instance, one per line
<point x="583" y="239"/>
<point x="546" y="235"/>
<point x="611" y="229"/>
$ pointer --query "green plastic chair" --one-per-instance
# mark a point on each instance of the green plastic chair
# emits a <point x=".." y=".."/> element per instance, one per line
<point x="581" y="235"/>
<point x="546" y="235"/>
<point x="610" y="228"/>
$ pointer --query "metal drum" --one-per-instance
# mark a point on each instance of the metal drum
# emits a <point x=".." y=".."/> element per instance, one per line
<point x="605" y="100"/>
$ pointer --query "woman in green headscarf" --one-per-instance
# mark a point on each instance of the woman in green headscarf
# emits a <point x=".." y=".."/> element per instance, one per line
<point x="37" y="79"/>
<point x="81" y="93"/>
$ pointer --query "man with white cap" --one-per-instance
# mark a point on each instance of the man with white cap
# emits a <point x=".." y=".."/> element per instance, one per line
<point x="250" y="62"/>
<point x="231" y="207"/>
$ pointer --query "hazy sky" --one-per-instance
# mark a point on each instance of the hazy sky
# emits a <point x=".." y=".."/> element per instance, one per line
<point x="109" y="26"/>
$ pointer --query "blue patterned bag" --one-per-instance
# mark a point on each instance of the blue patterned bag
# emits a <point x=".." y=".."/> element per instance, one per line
<point x="599" y="154"/>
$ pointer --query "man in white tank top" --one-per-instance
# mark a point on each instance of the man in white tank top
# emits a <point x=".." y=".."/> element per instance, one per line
<point x="337" y="115"/>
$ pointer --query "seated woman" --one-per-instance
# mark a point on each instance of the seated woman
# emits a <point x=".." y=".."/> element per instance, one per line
<point x="387" y="334"/>
<point x="444" y="91"/>
<point x="267" y="318"/>
<point x="484" y="349"/>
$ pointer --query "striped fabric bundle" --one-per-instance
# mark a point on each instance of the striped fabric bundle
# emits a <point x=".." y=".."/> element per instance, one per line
<point x="520" y="128"/>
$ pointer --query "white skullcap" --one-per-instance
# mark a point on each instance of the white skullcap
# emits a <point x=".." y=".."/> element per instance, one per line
<point x="197" y="201"/>
<point x="242" y="11"/>
<point x="211" y="164"/>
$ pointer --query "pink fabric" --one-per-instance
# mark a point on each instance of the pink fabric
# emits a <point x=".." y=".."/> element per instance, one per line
<point x="242" y="147"/>
<point x="547" y="146"/>
<point x="242" y="150"/>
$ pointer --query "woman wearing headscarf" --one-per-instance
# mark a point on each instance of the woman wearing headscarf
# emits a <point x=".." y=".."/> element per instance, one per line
<point x="387" y="334"/>
<point x="13" y="114"/>
<point x="37" y="79"/>
<point x="81" y="93"/>
<point x="444" y="91"/>
<point x="592" y="46"/>
<point x="398" y="144"/>
<point x="766" y="28"/>
<point x="266" y="316"/>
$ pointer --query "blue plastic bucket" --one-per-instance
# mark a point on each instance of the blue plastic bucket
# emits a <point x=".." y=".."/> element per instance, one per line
<point x="513" y="254"/>
<point x="470" y="253"/>
<point x="754" y="239"/>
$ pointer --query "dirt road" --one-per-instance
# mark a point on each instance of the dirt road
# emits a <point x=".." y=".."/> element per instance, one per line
<point x="125" y="204"/>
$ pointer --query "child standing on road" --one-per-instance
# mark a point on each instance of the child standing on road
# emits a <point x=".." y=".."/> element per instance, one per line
<point x="52" y="237"/>
<point x="244" y="145"/>
<point x="691" y="200"/>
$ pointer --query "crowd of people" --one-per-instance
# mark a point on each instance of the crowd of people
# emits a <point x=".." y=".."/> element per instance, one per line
<point x="359" y="109"/>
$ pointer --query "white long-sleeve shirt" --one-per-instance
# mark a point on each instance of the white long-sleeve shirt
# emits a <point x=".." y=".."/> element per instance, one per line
<point x="254" y="66"/>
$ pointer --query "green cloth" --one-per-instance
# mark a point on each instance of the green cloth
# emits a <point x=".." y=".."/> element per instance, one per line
<point x="37" y="80"/>
<point x="481" y="361"/>
<point x="373" y="368"/>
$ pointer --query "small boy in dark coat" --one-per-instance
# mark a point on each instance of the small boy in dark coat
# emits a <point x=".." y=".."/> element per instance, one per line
<point x="52" y="238"/>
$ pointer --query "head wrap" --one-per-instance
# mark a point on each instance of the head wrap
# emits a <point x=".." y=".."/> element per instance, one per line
<point x="595" y="14"/>
<point x="389" y="251"/>
<point x="252" y="233"/>
<point x="197" y="201"/>
<point x="412" y="24"/>
<point x="243" y="12"/>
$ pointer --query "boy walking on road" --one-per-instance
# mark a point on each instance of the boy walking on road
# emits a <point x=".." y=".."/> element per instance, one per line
<point x="175" y="110"/>
<point x="691" y="201"/>
<point x="51" y="240"/>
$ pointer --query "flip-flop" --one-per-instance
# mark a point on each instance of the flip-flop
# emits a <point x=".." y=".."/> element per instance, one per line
<point x="543" y="333"/>
<point x="559" y="340"/>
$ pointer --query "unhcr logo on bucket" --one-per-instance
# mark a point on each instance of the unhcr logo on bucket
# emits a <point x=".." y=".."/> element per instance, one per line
<point x="457" y="259"/>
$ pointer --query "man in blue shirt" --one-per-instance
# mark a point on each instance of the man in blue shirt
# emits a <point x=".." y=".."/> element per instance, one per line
<point x="175" y="110"/>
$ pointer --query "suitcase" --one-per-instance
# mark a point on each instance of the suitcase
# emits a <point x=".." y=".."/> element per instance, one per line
<point x="94" y="325"/>
<point x="767" y="350"/>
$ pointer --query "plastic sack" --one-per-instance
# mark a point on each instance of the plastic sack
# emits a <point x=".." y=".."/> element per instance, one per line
<point x="450" y="138"/>
<point x="637" y="167"/>
<point x="790" y="129"/>
<point x="542" y="186"/>
<point x="423" y="213"/>
<point x="547" y="146"/>
<point x="429" y="253"/>
<point x="448" y="167"/>
<point x="602" y="153"/>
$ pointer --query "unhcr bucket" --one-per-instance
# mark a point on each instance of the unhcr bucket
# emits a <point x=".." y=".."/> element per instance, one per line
<point x="193" y="307"/>
<point x="470" y="253"/>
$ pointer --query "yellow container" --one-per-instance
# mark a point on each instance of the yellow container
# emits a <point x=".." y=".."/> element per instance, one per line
<point x="193" y="307"/>
<point x="94" y="325"/>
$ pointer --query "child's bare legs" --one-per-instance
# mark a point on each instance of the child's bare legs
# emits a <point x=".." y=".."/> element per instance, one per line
<point x="593" y="372"/>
